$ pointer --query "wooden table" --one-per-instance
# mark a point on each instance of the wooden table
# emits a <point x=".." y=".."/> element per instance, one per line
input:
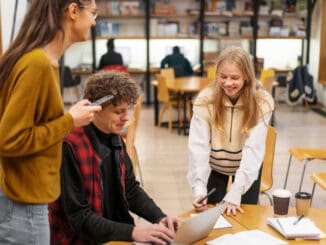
<point x="255" y="218"/>
<point x="185" y="86"/>
<point x="236" y="227"/>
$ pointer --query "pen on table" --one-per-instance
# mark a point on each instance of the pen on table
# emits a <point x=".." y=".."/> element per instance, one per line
<point x="208" y="194"/>
<point x="297" y="221"/>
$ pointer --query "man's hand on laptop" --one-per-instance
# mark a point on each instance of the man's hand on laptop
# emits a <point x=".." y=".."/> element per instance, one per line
<point x="154" y="233"/>
<point x="200" y="204"/>
<point x="231" y="208"/>
<point x="172" y="223"/>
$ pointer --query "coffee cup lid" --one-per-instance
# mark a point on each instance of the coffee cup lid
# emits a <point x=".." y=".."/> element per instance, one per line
<point x="281" y="193"/>
<point x="303" y="195"/>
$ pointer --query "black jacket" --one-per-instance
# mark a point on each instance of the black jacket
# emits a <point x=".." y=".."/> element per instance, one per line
<point x="110" y="58"/>
<point x="119" y="196"/>
<point x="180" y="64"/>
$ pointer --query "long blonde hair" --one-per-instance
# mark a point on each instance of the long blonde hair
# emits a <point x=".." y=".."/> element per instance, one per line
<point x="239" y="57"/>
<point x="41" y="23"/>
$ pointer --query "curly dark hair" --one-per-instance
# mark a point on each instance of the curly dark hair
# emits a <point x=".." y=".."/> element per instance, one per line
<point x="118" y="84"/>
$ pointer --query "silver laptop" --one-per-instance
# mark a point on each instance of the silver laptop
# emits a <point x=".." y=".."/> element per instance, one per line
<point x="196" y="227"/>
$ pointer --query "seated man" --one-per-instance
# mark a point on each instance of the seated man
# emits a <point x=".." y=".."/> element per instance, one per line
<point x="98" y="186"/>
<point x="178" y="62"/>
<point x="111" y="57"/>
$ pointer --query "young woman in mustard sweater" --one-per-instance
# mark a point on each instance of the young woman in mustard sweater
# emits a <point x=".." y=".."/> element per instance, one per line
<point x="32" y="118"/>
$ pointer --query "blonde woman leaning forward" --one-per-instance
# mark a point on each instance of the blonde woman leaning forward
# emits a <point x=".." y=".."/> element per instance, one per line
<point x="227" y="134"/>
<point x="32" y="119"/>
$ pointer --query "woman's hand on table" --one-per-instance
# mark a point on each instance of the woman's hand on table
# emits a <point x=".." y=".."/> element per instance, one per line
<point x="231" y="208"/>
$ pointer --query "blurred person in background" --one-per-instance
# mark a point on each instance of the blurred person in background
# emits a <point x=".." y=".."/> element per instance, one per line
<point x="178" y="62"/>
<point x="111" y="57"/>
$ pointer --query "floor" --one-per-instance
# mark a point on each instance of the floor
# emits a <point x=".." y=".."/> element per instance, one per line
<point x="163" y="157"/>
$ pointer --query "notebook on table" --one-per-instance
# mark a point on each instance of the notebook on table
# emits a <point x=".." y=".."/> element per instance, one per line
<point x="305" y="228"/>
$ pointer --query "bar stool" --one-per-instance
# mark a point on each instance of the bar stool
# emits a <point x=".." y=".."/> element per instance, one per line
<point x="319" y="179"/>
<point x="306" y="155"/>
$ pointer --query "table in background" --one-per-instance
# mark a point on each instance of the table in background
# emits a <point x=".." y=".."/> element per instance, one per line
<point x="130" y="70"/>
<point x="185" y="86"/>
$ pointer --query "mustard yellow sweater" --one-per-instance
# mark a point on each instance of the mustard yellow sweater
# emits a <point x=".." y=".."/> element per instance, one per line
<point x="32" y="126"/>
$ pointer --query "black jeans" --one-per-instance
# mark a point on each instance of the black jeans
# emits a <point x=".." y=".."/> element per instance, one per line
<point x="220" y="181"/>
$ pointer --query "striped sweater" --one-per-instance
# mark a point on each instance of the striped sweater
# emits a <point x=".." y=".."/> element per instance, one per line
<point x="226" y="146"/>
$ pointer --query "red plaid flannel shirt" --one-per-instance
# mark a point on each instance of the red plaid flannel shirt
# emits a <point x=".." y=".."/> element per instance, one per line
<point x="61" y="232"/>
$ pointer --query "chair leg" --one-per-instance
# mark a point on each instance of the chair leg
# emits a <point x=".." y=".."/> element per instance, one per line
<point x="71" y="95"/>
<point x="77" y="90"/>
<point x="287" y="172"/>
<point x="160" y="117"/>
<point x="269" y="198"/>
<point x="303" y="171"/>
<point x="180" y="118"/>
<point x="312" y="193"/>
<point x="139" y="168"/>
<point x="170" y="118"/>
<point x="189" y="109"/>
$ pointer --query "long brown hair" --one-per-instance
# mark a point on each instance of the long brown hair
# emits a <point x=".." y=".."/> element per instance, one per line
<point x="239" y="57"/>
<point x="42" y="22"/>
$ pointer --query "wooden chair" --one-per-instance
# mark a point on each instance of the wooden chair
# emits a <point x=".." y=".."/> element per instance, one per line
<point x="266" y="182"/>
<point x="163" y="95"/>
<point x="168" y="73"/>
<point x="319" y="179"/>
<point x="306" y="155"/>
<point x="130" y="139"/>
<point x="267" y="78"/>
<point x="211" y="73"/>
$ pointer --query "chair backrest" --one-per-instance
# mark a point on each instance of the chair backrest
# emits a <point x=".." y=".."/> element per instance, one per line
<point x="162" y="89"/>
<point x="130" y="139"/>
<point x="267" y="77"/>
<point x="211" y="73"/>
<point x="168" y="73"/>
<point x="131" y="133"/>
<point x="267" y="171"/>
<point x="137" y="109"/>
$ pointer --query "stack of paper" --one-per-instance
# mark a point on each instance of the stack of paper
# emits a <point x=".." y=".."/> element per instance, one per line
<point x="305" y="228"/>
<point x="253" y="237"/>
<point x="221" y="223"/>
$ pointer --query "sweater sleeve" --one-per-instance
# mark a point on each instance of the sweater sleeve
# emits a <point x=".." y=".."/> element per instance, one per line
<point x="199" y="150"/>
<point x="252" y="158"/>
<point x="33" y="119"/>
<point x="87" y="224"/>
<point x="139" y="202"/>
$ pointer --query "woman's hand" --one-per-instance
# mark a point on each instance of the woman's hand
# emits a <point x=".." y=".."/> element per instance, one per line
<point x="82" y="113"/>
<point x="231" y="208"/>
<point x="200" y="206"/>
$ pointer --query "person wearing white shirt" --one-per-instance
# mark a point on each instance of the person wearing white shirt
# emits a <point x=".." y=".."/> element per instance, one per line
<point x="227" y="134"/>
